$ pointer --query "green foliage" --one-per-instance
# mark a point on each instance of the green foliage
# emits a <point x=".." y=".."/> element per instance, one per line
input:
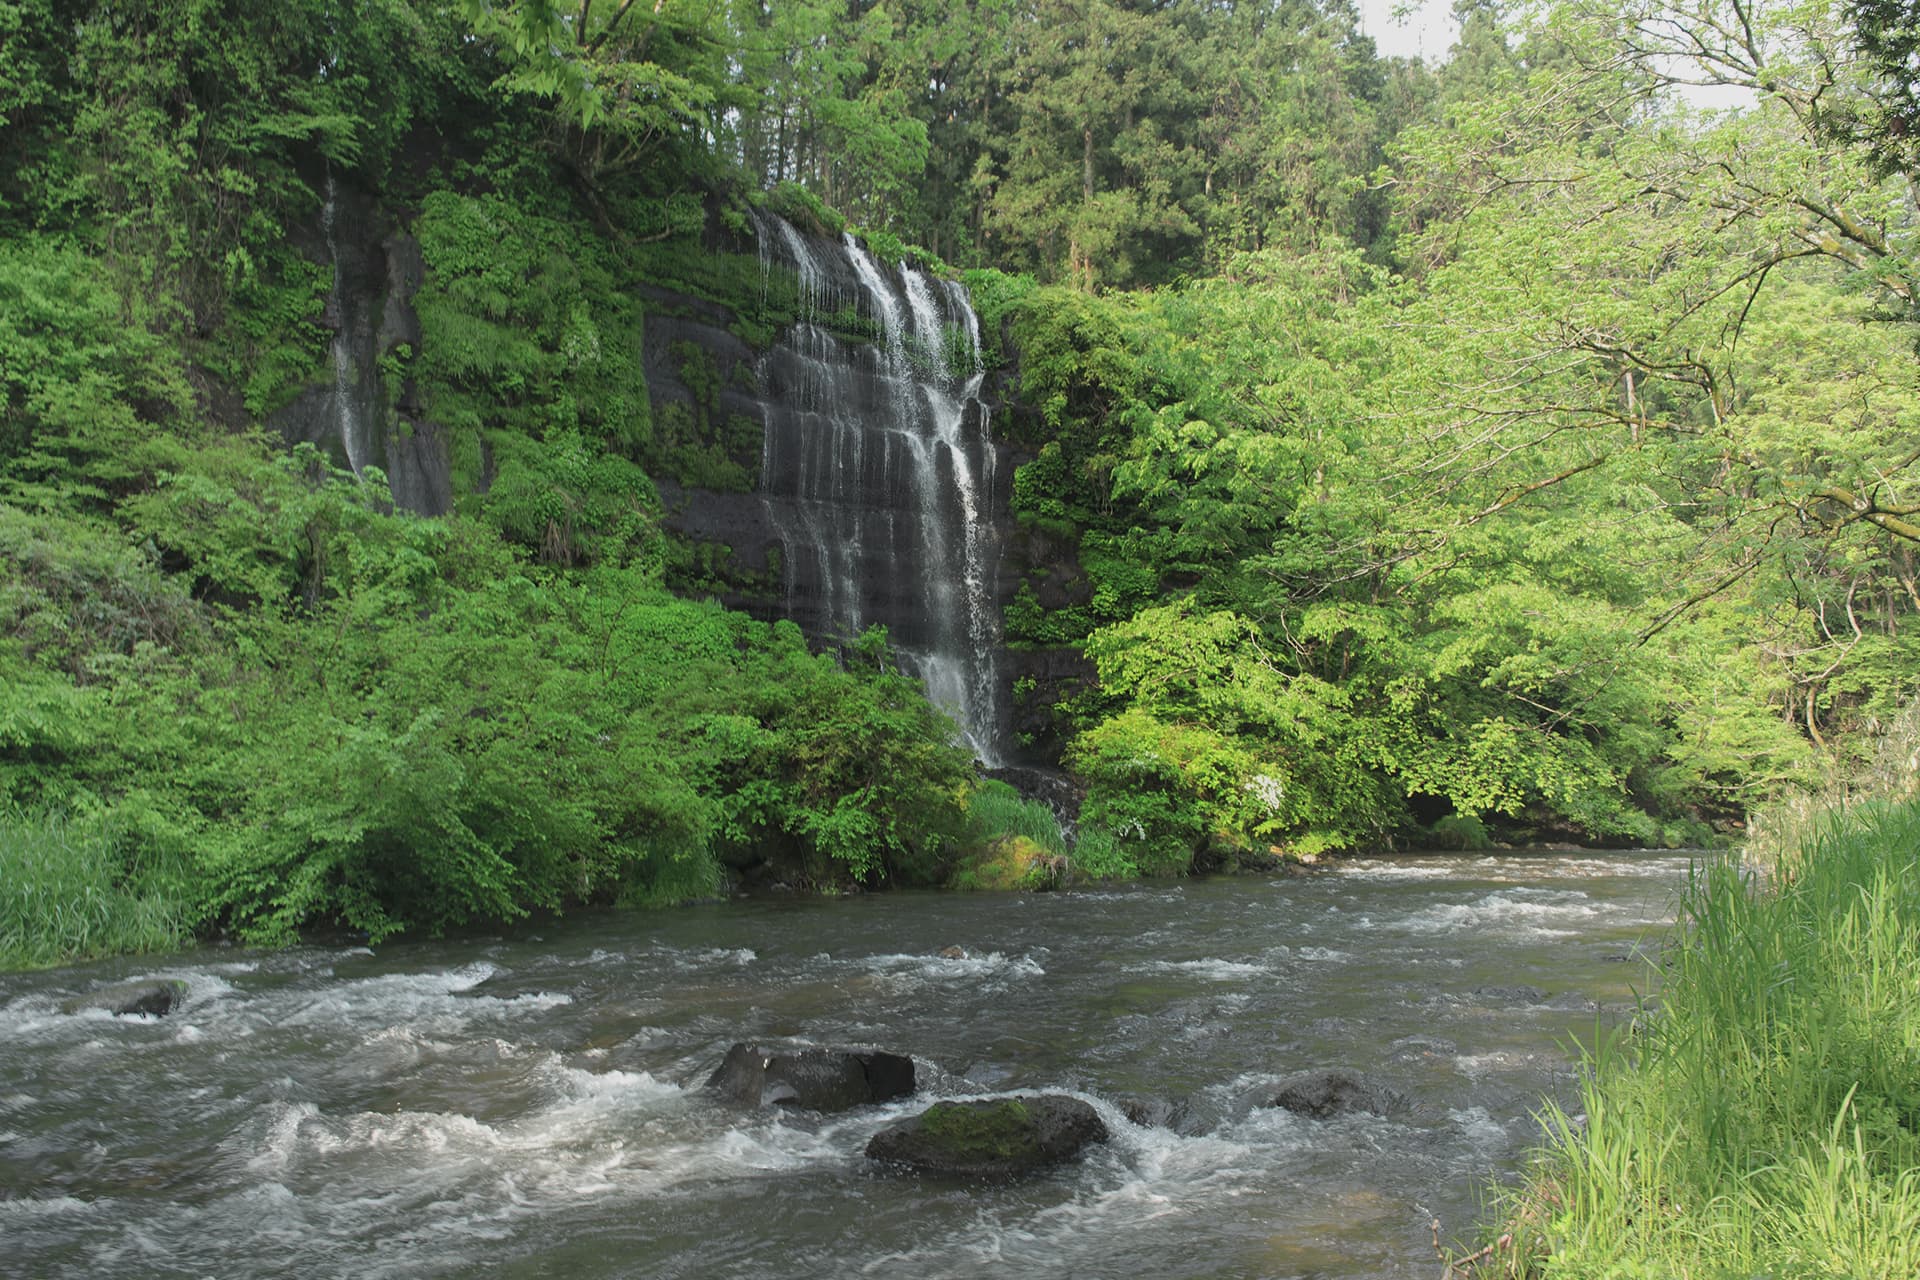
<point x="80" y="388"/>
<point x="524" y="329"/>
<point x="1099" y="854"/>
<point x="1009" y="863"/>
<point x="1765" y="1120"/>
<point x="270" y="348"/>
<point x="567" y="502"/>
<point x="695" y="442"/>
<point x="805" y="210"/>
<point x="995" y="810"/>
<point x="363" y="717"/>
<point x="1459" y="831"/>
<point x="65" y="895"/>
<point x="996" y="296"/>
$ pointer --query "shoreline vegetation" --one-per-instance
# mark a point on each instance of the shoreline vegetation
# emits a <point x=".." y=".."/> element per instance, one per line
<point x="1764" y="1119"/>
<point x="1500" y="450"/>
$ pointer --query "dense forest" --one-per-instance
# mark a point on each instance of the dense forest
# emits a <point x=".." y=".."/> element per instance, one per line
<point x="1518" y="447"/>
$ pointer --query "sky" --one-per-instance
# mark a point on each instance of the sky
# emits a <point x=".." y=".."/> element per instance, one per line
<point x="1427" y="32"/>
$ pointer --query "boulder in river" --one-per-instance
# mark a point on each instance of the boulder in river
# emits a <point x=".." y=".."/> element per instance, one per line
<point x="816" y="1077"/>
<point x="994" y="1138"/>
<point x="1331" y="1091"/>
<point x="1150" y="1112"/>
<point x="154" y="996"/>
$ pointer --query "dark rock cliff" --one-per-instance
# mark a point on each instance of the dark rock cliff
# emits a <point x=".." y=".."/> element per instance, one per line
<point x="364" y="415"/>
<point x="774" y="503"/>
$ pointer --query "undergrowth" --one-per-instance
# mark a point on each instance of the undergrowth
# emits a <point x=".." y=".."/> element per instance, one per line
<point x="64" y="897"/>
<point x="1765" y="1121"/>
<point x="997" y="811"/>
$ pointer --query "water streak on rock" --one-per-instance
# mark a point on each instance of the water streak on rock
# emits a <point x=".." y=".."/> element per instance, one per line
<point x="877" y="471"/>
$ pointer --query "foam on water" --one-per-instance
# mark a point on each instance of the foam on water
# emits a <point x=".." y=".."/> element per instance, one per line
<point x="1479" y="1128"/>
<point x="712" y="957"/>
<point x="270" y="1137"/>
<point x="1539" y="913"/>
<point x="52" y="1206"/>
<point x="29" y="1017"/>
<point x="1122" y="1199"/>
<point x="436" y="1001"/>
<point x="994" y="968"/>
<point x="1391" y="869"/>
<point x="1216" y="970"/>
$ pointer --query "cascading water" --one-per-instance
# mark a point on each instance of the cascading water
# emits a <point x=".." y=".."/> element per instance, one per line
<point x="348" y="413"/>
<point x="877" y="471"/>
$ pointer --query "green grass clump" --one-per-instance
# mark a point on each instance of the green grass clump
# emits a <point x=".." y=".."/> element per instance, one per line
<point x="1010" y="842"/>
<point x="997" y="811"/>
<point x="1098" y="854"/>
<point x="63" y="897"/>
<point x="1765" y="1121"/>
<point x="1460" y="831"/>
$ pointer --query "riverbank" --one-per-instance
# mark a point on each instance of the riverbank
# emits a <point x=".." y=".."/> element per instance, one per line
<point x="1766" y="1120"/>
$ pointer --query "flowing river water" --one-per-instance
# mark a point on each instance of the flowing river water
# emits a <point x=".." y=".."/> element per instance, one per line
<point x="530" y="1104"/>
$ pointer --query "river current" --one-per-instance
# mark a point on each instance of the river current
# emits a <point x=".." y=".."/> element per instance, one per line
<point x="530" y="1104"/>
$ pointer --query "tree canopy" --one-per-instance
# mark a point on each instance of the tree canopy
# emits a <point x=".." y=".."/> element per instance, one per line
<point x="1520" y="446"/>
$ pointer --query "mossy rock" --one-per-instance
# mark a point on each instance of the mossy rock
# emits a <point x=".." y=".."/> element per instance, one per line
<point x="998" y="1139"/>
<point x="1012" y="862"/>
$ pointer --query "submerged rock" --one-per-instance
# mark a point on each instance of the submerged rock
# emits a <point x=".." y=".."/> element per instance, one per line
<point x="998" y="1138"/>
<point x="156" y="997"/>
<point x="1418" y="1048"/>
<point x="1150" y="1112"/>
<point x="818" y="1078"/>
<point x="1511" y="994"/>
<point x="1331" y="1091"/>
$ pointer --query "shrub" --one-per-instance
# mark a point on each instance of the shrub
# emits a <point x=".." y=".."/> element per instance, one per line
<point x="1459" y="831"/>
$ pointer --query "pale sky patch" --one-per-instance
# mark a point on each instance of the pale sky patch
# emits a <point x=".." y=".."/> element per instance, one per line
<point x="1426" y="30"/>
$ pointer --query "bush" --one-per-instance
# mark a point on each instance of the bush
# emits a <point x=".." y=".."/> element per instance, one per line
<point x="1098" y="854"/>
<point x="1459" y="831"/>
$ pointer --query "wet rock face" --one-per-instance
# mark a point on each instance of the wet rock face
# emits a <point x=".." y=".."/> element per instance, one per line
<point x="997" y="1139"/>
<point x="154" y="997"/>
<point x="1332" y="1091"/>
<point x="810" y="1076"/>
<point x="1152" y="1112"/>
<point x="350" y="414"/>
<point x="878" y="472"/>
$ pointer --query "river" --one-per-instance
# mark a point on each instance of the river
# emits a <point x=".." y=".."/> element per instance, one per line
<point x="529" y="1104"/>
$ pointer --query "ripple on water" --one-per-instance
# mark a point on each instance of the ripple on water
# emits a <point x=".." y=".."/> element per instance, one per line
<point x="447" y="1109"/>
<point x="1534" y="913"/>
<point x="991" y="971"/>
<point x="1215" y="970"/>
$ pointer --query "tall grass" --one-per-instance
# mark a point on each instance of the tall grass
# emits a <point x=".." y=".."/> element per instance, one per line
<point x="63" y="897"/>
<point x="1765" y="1121"/>
<point x="997" y="811"/>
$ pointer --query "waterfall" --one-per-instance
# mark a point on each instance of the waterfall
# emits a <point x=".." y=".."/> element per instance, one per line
<point x="348" y="415"/>
<point x="877" y="472"/>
